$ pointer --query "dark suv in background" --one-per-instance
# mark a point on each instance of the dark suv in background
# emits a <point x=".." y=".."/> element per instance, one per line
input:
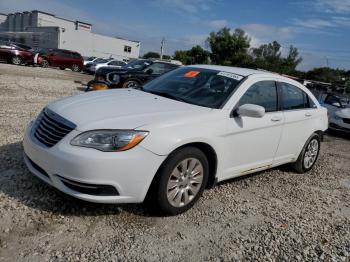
<point x="133" y="74"/>
<point x="63" y="59"/>
<point x="16" y="54"/>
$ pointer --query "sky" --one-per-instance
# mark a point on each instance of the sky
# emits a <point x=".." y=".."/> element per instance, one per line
<point x="320" y="29"/>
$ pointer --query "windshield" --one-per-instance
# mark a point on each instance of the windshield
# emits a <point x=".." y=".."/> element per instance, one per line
<point x="24" y="47"/>
<point x="202" y="87"/>
<point x="90" y="58"/>
<point x="138" y="64"/>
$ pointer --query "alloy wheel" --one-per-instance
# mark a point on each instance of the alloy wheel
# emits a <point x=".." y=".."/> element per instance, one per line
<point x="185" y="182"/>
<point x="16" y="60"/>
<point x="311" y="153"/>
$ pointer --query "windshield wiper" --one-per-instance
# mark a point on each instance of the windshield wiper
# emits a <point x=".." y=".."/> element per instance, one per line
<point x="167" y="95"/>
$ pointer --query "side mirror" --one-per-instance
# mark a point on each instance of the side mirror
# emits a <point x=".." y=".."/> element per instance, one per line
<point x="250" y="110"/>
<point x="149" y="71"/>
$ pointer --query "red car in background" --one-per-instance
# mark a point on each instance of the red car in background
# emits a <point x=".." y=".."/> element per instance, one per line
<point x="16" y="54"/>
<point x="62" y="58"/>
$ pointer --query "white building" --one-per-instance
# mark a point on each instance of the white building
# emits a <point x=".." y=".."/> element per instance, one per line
<point x="44" y="30"/>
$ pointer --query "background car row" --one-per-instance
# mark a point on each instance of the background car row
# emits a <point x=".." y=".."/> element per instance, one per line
<point x="19" y="54"/>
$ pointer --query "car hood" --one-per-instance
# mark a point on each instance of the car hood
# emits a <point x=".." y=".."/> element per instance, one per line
<point x="121" y="109"/>
<point x="343" y="113"/>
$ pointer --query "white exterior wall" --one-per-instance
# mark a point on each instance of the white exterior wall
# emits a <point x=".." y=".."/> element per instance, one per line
<point x="3" y="18"/>
<point x="78" y="37"/>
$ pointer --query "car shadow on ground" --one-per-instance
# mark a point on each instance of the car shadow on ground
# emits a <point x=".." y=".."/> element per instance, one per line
<point x="18" y="183"/>
<point x="338" y="134"/>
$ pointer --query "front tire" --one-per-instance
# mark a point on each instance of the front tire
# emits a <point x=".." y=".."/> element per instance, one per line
<point x="16" y="60"/>
<point x="180" y="181"/>
<point x="308" y="155"/>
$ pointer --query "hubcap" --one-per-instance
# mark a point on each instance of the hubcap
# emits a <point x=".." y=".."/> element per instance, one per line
<point x="185" y="182"/>
<point x="75" y="68"/>
<point x="311" y="153"/>
<point x="16" y="60"/>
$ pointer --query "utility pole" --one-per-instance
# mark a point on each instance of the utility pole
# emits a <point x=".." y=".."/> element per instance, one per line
<point x="162" y="48"/>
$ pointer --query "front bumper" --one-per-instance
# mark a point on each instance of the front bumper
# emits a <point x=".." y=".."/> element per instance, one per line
<point x="129" y="172"/>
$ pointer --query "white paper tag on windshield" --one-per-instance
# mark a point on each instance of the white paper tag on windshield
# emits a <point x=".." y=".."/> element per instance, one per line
<point x="231" y="75"/>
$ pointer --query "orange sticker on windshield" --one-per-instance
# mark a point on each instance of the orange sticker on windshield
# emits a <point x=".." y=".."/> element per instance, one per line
<point x="192" y="74"/>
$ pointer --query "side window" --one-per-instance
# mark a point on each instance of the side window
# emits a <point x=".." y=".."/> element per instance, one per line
<point x="332" y="100"/>
<point x="168" y="67"/>
<point x="116" y="63"/>
<point x="294" y="98"/>
<point x="157" y="68"/>
<point x="263" y="93"/>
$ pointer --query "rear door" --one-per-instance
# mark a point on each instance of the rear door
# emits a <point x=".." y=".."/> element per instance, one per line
<point x="299" y="110"/>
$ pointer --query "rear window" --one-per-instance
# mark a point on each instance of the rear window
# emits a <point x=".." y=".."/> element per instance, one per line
<point x="295" y="98"/>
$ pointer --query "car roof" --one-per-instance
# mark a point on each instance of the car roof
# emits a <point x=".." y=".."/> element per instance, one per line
<point x="236" y="70"/>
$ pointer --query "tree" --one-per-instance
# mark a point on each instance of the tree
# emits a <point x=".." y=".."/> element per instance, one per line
<point x="326" y="74"/>
<point x="166" y="57"/>
<point x="229" y="48"/>
<point x="269" y="57"/>
<point x="151" y="55"/>
<point x="347" y="87"/>
<point x="291" y="61"/>
<point x="196" y="55"/>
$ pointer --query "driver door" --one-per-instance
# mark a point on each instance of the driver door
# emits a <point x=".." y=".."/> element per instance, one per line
<point x="251" y="143"/>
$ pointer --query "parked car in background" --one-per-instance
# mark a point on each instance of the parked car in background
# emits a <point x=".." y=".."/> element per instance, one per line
<point x="178" y="134"/>
<point x="338" y="112"/>
<point x="63" y="59"/>
<point x="90" y="66"/>
<point x="90" y="59"/>
<point x="16" y="54"/>
<point x="133" y="74"/>
<point x="113" y="64"/>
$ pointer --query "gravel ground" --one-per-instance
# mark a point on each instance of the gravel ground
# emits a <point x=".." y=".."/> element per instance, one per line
<point x="275" y="215"/>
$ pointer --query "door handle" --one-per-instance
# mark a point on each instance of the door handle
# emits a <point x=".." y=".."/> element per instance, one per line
<point x="276" y="118"/>
<point x="308" y="114"/>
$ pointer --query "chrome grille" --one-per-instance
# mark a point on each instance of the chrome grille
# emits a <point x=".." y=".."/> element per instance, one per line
<point x="50" y="128"/>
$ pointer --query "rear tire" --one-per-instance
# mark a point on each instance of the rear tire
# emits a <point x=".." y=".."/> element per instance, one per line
<point x="62" y="68"/>
<point x="16" y="60"/>
<point x="75" y="68"/>
<point x="308" y="155"/>
<point x="179" y="182"/>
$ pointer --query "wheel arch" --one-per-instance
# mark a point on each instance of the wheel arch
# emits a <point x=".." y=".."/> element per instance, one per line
<point x="133" y="79"/>
<point x="210" y="154"/>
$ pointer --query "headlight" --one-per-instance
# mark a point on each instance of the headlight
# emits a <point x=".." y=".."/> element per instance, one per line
<point x="109" y="140"/>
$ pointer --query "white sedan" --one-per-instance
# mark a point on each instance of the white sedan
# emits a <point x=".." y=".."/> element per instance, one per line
<point x="168" y="140"/>
<point x="111" y="63"/>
